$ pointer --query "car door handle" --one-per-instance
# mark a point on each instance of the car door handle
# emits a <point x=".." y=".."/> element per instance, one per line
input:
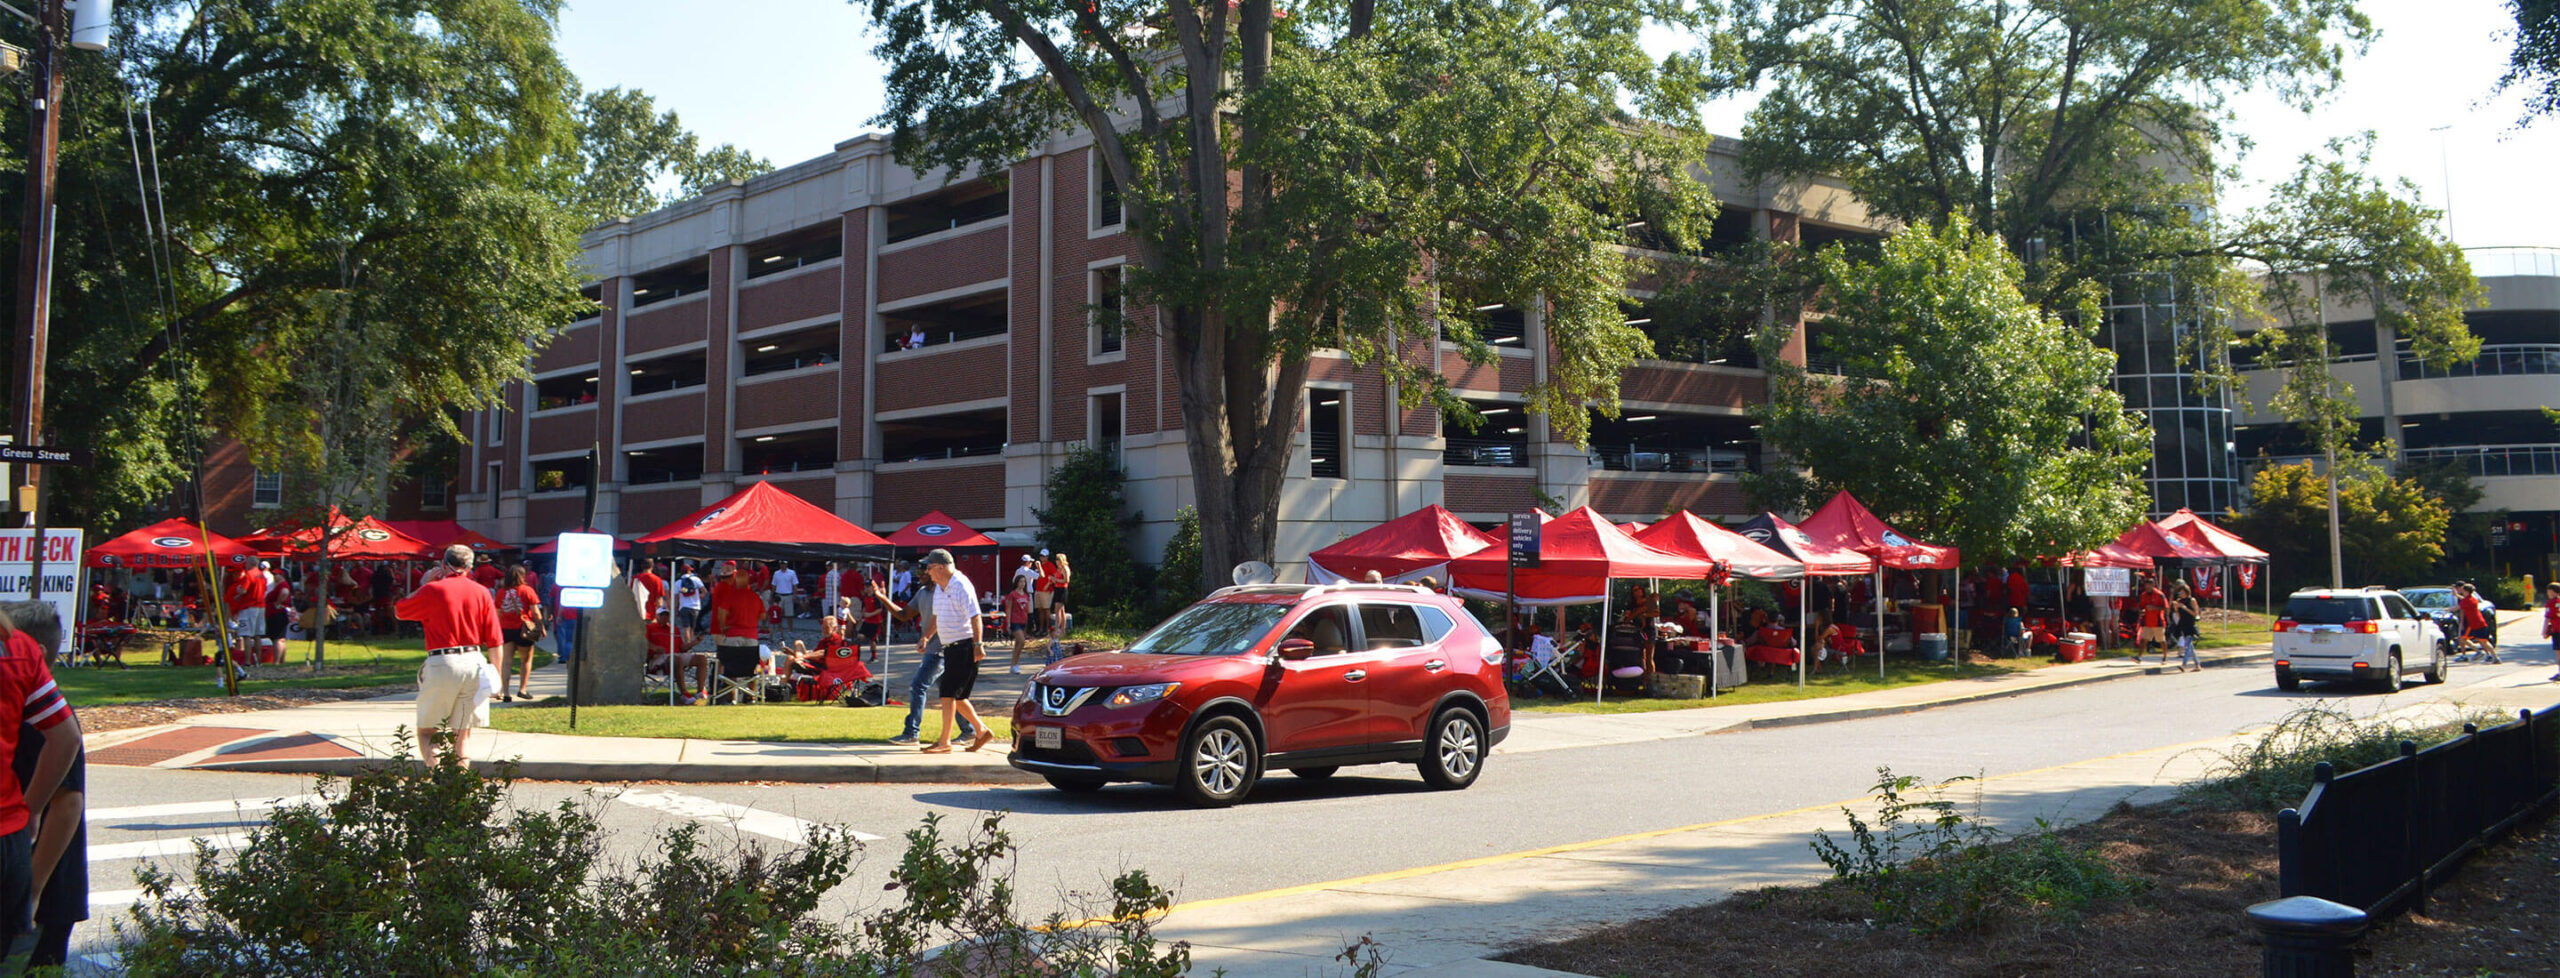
<point x="1355" y="675"/>
<point x="1435" y="665"/>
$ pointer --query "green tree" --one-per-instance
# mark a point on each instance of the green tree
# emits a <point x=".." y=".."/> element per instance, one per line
<point x="1178" y="576"/>
<point x="1966" y="412"/>
<point x="630" y="158"/>
<point x="2390" y="529"/>
<point x="1089" y="520"/>
<point x="2466" y="534"/>
<point x="2535" y="65"/>
<point x="1342" y="174"/>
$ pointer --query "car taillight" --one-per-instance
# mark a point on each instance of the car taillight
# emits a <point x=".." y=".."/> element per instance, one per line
<point x="2363" y="627"/>
<point x="2287" y="624"/>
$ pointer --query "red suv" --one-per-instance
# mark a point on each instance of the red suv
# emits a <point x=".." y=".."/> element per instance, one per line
<point x="1255" y="678"/>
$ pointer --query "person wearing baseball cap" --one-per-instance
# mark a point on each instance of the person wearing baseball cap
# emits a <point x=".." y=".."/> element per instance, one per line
<point x="956" y="623"/>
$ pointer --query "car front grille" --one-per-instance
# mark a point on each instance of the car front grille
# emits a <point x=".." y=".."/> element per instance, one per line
<point x="1058" y="701"/>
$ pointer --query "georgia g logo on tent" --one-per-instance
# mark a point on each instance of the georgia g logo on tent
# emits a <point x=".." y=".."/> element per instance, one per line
<point x="708" y="517"/>
<point x="934" y="529"/>
<point x="373" y="535"/>
<point x="1892" y="539"/>
<point x="1757" y="534"/>
<point x="171" y="543"/>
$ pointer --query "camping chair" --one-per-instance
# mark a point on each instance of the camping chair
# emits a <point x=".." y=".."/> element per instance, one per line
<point x="1553" y="677"/>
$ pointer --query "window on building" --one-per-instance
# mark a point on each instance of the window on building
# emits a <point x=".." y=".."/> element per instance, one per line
<point x="266" y="490"/>
<point x="594" y="294"/>
<point x="1106" y="195"/>
<point x="672" y="463"/>
<point x="672" y="282"/>
<point x="784" y="252"/>
<point x="435" y="492"/>
<point x="798" y="451"/>
<point x="951" y="207"/>
<point x="960" y="434"/>
<point x="1505" y="325"/>
<point x="670" y="373"/>
<point x="1682" y="333"/>
<point x="1103" y="418"/>
<point x="1501" y="441"/>
<point x="1670" y="441"/>
<point x="1109" y="314"/>
<point x="811" y="347"/>
<point x="1324" y="433"/>
<point x="566" y="390"/>
<point x="949" y="321"/>
<point x="561" y="474"/>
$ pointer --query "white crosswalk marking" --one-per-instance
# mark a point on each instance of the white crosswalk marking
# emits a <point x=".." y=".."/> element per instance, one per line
<point x="156" y="848"/>
<point x="741" y="817"/>
<point x="177" y="809"/>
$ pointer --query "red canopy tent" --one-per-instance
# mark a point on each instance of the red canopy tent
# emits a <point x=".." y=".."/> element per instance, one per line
<point x="358" y="539"/>
<point x="264" y="543"/>
<point x="2200" y="531"/>
<point x="1416" y="545"/>
<point x="1819" y="559"/>
<point x="972" y="552"/>
<point x="2150" y="540"/>
<point x="1688" y="535"/>
<point x="1577" y="555"/>
<point x="2109" y="554"/>
<point x="1846" y="523"/>
<point x="761" y="522"/>
<point x="172" y="544"/>
<point x="440" y="534"/>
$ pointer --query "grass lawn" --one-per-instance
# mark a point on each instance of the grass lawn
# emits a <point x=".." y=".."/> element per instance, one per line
<point x="789" y="722"/>
<point x="353" y="664"/>
<point x="2243" y="628"/>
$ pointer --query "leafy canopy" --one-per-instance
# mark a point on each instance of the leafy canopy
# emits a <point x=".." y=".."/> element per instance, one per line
<point x="1965" y="412"/>
<point x="2535" y="65"/>
<point x="1346" y="174"/>
<point x="2388" y="529"/>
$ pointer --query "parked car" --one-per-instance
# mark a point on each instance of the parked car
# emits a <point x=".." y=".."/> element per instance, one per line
<point x="2369" y="635"/>
<point x="2441" y="604"/>
<point x="1257" y="678"/>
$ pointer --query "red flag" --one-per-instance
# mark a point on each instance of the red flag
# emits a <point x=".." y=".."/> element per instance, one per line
<point x="2248" y="576"/>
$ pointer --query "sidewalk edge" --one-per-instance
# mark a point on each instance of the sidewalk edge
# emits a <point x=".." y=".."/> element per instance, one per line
<point x="1862" y="713"/>
<point x="610" y="771"/>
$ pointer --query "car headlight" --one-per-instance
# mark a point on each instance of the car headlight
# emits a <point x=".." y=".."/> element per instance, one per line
<point x="1134" y="695"/>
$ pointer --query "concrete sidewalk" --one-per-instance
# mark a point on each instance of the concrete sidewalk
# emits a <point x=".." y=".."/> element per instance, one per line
<point x="339" y="738"/>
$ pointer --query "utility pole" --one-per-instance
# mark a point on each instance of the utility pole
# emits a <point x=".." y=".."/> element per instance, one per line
<point x="35" y="246"/>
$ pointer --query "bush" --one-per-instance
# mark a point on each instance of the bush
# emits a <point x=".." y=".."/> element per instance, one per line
<point x="1178" y="576"/>
<point x="2274" y="771"/>
<point x="408" y="870"/>
<point x="1927" y="865"/>
<point x="1088" y="519"/>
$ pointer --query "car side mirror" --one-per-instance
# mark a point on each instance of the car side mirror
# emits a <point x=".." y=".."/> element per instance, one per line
<point x="1294" y="649"/>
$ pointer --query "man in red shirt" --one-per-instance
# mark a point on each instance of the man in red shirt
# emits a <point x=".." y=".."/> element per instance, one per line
<point x="487" y="574"/>
<point x="2475" y="626"/>
<point x="2155" y="621"/>
<point x="461" y="621"/>
<point x="2551" y="620"/>
<point x="1043" y="589"/>
<point x="247" y="600"/>
<point x="655" y="586"/>
<point x="737" y="618"/>
<point x="28" y="700"/>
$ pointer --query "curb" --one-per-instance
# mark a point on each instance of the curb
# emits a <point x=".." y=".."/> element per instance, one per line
<point x="612" y="772"/>
<point x="1765" y="723"/>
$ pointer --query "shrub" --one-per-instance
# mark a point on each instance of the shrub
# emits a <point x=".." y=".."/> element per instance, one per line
<point x="1178" y="576"/>
<point x="2274" y="771"/>
<point x="1925" y="864"/>
<point x="1088" y="519"/>
<point x="410" y="870"/>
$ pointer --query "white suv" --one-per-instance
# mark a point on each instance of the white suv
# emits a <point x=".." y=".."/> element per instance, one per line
<point x="2372" y="635"/>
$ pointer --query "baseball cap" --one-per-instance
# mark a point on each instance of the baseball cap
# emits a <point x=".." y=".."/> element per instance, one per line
<point x="1026" y="558"/>
<point x="938" y="556"/>
<point x="1044" y="551"/>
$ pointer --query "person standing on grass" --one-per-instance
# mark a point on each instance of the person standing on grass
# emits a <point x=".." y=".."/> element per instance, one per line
<point x="520" y="621"/>
<point x="956" y="623"/>
<point x="690" y="620"/>
<point x="786" y="595"/>
<point x="247" y="599"/>
<point x="654" y="586"/>
<point x="928" y="674"/>
<point x="461" y="622"/>
<point x="737" y="620"/>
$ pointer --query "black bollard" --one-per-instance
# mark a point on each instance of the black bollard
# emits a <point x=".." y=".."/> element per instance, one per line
<point x="2308" y="937"/>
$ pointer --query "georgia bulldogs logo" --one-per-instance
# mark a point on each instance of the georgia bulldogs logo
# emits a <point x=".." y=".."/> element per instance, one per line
<point x="707" y="518"/>
<point x="373" y="535"/>
<point x="1757" y="534"/>
<point x="171" y="543"/>
<point x="1892" y="539"/>
<point x="934" y="529"/>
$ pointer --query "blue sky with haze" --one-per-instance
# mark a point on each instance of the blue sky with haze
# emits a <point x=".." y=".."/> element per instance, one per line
<point x="788" y="79"/>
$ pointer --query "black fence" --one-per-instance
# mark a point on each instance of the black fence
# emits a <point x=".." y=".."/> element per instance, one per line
<point x="2379" y="837"/>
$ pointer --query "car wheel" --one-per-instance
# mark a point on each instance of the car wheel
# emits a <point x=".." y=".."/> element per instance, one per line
<point x="1453" y="754"/>
<point x="2391" y="674"/>
<point x="1074" y="785"/>
<point x="2442" y="665"/>
<point x="2287" y="681"/>
<point x="1313" y="773"/>
<point x="1218" y="763"/>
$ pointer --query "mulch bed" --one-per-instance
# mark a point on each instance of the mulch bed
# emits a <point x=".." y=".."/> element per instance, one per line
<point x="126" y="715"/>
<point x="2201" y="868"/>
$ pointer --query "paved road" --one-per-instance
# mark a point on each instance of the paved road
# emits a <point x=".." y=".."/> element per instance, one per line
<point x="1377" y="819"/>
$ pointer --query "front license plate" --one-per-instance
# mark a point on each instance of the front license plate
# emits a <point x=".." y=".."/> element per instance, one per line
<point x="2319" y="640"/>
<point x="1048" y="738"/>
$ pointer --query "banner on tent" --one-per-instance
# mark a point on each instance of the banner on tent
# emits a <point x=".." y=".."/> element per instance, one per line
<point x="2248" y="576"/>
<point x="2202" y="575"/>
<point x="2110" y="582"/>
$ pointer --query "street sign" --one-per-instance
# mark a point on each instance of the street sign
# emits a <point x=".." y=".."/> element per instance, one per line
<point x="586" y="561"/>
<point x="582" y="597"/>
<point x="1525" y="530"/>
<point x="45" y="454"/>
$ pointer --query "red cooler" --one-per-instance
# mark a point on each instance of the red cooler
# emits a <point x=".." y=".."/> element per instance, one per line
<point x="2077" y="647"/>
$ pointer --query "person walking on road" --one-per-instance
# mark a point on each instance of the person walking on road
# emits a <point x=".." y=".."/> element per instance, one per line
<point x="2155" y="621"/>
<point x="520" y="622"/>
<point x="928" y="674"/>
<point x="956" y="623"/>
<point x="2183" y="613"/>
<point x="2551" y="621"/>
<point x="461" y="621"/>
<point x="2476" y="633"/>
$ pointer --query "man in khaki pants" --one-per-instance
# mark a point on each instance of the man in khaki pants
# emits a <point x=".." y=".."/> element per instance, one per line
<point x="461" y="620"/>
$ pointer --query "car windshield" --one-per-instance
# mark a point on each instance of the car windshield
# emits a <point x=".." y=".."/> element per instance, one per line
<point x="2430" y="599"/>
<point x="2328" y="611"/>
<point x="1217" y="628"/>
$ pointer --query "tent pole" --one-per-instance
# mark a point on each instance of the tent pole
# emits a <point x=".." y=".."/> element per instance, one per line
<point x="1955" y="621"/>
<point x="1878" y="599"/>
<point x="1802" y="620"/>
<point x="1600" y="688"/>
<point x="1715" y="634"/>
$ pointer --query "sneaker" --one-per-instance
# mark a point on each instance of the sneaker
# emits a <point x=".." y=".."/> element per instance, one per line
<point x="903" y="740"/>
<point x="1015" y="670"/>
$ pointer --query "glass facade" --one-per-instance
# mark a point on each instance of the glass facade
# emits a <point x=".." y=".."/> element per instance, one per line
<point x="2151" y="327"/>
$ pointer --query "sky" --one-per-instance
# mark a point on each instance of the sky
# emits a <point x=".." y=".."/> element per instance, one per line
<point x="788" y="79"/>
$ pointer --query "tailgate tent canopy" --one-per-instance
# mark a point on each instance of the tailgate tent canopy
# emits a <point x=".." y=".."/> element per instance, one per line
<point x="440" y="534"/>
<point x="2150" y="540"/>
<point x="1416" y="545"/>
<point x="359" y="539"/>
<point x="2109" y="554"/>
<point x="1846" y="523"/>
<point x="761" y="522"/>
<point x="1577" y="555"/>
<point x="170" y="544"/>
<point x="938" y="529"/>
<point x="1686" y="534"/>
<point x="2195" y="529"/>
<point x="1819" y="559"/>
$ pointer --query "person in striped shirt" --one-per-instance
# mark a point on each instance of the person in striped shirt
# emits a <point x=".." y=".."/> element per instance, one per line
<point x="28" y="700"/>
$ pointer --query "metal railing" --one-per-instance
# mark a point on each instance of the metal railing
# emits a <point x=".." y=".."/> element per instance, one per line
<point x="2487" y="461"/>
<point x="1485" y="453"/>
<point x="2513" y="260"/>
<point x="2503" y="360"/>
<point x="1631" y="458"/>
<point x="2377" y="838"/>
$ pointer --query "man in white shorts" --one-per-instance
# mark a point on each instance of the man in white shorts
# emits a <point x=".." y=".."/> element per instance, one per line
<point x="461" y="622"/>
<point x="786" y="595"/>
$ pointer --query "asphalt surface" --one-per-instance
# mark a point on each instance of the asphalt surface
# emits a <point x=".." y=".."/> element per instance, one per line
<point x="1367" y="820"/>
